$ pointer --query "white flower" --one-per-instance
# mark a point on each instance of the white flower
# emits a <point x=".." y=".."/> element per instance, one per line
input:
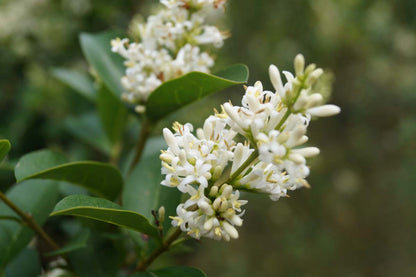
<point x="168" y="47"/>
<point x="214" y="217"/>
<point x="211" y="167"/>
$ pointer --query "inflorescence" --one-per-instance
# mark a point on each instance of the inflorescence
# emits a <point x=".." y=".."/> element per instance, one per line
<point x="169" y="47"/>
<point x="212" y="167"/>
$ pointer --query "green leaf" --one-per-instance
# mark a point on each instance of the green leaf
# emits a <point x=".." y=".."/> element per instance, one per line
<point x="4" y="148"/>
<point x="100" y="178"/>
<point x="173" y="271"/>
<point x="106" y="211"/>
<point x="38" y="161"/>
<point x="113" y="114"/>
<point x="81" y="83"/>
<point x="78" y="242"/>
<point x="109" y="66"/>
<point x="142" y="187"/>
<point x="100" y="258"/>
<point x="176" y="93"/>
<point x="36" y="197"/>
<point x="27" y="263"/>
<point x="87" y="127"/>
<point x="142" y="190"/>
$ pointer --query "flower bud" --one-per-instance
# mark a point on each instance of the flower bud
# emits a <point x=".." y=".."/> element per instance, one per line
<point x="307" y="151"/>
<point x="161" y="214"/>
<point x="325" y="110"/>
<point x="276" y="80"/>
<point x="213" y="192"/>
<point x="299" y="64"/>
<point x="314" y="76"/>
<point x="230" y="229"/>
<point x="297" y="158"/>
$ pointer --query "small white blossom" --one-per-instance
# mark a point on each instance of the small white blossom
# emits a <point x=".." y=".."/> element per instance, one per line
<point x="168" y="47"/>
<point x="211" y="167"/>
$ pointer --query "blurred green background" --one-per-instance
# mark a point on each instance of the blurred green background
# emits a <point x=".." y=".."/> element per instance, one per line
<point x="359" y="217"/>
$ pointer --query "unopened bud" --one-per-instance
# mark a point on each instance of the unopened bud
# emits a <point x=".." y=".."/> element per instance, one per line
<point x="325" y="110"/>
<point x="213" y="192"/>
<point x="310" y="68"/>
<point x="140" y="109"/>
<point x="230" y="229"/>
<point x="299" y="64"/>
<point x="314" y="76"/>
<point x="161" y="214"/>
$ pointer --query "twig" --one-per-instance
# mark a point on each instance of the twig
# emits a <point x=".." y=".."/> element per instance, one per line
<point x="29" y="221"/>
<point x="145" y="263"/>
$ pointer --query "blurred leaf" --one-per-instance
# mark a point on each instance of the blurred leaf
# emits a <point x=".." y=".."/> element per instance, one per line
<point x="108" y="65"/>
<point x="100" y="178"/>
<point x="4" y="148"/>
<point x="113" y="114"/>
<point x="88" y="128"/>
<point x="81" y="83"/>
<point x="79" y="241"/>
<point x="100" y="258"/>
<point x="27" y="263"/>
<point x="106" y="211"/>
<point x="36" y="197"/>
<point x="173" y="271"/>
<point x="142" y="187"/>
<point x="170" y="199"/>
<point x="142" y="190"/>
<point x="176" y="93"/>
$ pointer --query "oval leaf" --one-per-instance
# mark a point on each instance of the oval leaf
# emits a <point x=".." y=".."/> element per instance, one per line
<point x="173" y="271"/>
<point x="4" y="148"/>
<point x="100" y="178"/>
<point x="36" y="197"/>
<point x="106" y="211"/>
<point x="176" y="93"/>
<point x="108" y="65"/>
<point x="81" y="83"/>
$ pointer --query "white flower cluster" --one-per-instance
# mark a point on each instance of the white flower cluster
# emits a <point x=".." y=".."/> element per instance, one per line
<point x="168" y="47"/>
<point x="212" y="167"/>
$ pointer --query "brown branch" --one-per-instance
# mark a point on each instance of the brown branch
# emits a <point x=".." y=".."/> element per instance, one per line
<point x="30" y="222"/>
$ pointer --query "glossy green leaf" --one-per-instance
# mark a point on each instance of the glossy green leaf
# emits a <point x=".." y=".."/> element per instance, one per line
<point x="106" y="211"/>
<point x="100" y="178"/>
<point x="27" y="263"/>
<point x="88" y="128"/>
<point x="4" y="148"/>
<point x="38" y="161"/>
<point x="78" y="242"/>
<point x="173" y="271"/>
<point x="37" y="197"/>
<point x="81" y="83"/>
<point x="113" y="114"/>
<point x="176" y="93"/>
<point x="108" y="65"/>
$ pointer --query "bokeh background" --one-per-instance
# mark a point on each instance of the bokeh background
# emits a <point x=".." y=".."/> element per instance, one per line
<point x="359" y="217"/>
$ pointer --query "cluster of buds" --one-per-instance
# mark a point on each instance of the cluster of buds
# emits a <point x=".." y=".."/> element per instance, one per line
<point x="168" y="47"/>
<point x="212" y="167"/>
